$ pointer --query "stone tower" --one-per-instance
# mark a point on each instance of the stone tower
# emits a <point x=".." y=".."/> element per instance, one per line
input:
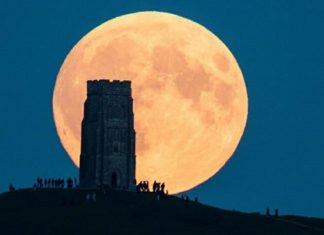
<point x="108" y="136"/>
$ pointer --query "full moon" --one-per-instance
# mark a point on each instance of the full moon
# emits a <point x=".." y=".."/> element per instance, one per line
<point x="190" y="99"/>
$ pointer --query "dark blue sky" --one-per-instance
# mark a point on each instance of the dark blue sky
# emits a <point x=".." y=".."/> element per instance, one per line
<point x="279" y="46"/>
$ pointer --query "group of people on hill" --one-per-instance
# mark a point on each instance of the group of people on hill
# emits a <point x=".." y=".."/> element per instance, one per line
<point x="55" y="183"/>
<point x="157" y="187"/>
<point x="142" y="186"/>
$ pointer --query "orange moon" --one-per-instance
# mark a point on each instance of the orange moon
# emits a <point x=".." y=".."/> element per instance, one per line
<point x="190" y="99"/>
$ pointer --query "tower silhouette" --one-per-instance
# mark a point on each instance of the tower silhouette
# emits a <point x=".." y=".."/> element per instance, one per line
<point x="108" y="136"/>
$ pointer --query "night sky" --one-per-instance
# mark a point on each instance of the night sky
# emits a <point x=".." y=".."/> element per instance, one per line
<point x="279" y="46"/>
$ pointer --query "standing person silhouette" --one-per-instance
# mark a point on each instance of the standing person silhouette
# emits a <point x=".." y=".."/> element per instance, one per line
<point x="162" y="187"/>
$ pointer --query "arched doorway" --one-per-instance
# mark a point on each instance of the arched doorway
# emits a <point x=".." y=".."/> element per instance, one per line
<point x="114" y="180"/>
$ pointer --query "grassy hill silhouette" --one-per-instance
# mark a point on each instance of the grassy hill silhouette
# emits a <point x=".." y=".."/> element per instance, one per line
<point x="66" y="211"/>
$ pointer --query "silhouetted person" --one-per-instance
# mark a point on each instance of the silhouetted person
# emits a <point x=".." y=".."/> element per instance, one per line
<point x="268" y="212"/>
<point x="162" y="187"/>
<point x="11" y="188"/>
<point x="138" y="188"/>
<point x="38" y="182"/>
<point x="196" y="199"/>
<point x="94" y="199"/>
<point x="69" y="182"/>
<point x="276" y="213"/>
<point x="144" y="186"/>
<point x="154" y="186"/>
<point x="158" y="187"/>
<point x="45" y="183"/>
<point x="140" y="185"/>
<point x="187" y="198"/>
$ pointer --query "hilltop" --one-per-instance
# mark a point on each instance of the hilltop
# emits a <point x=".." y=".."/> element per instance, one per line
<point x="66" y="211"/>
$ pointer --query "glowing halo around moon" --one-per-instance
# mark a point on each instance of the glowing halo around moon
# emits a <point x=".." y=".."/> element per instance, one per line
<point x="190" y="99"/>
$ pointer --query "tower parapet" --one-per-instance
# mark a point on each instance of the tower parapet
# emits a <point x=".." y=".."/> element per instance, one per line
<point x="106" y="87"/>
